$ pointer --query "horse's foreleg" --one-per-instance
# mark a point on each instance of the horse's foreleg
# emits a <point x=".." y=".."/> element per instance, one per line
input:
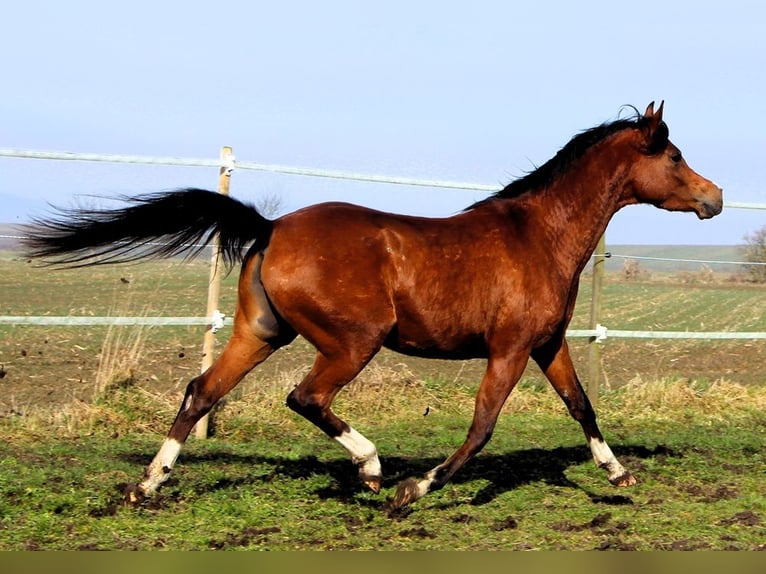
<point x="312" y="399"/>
<point x="502" y="375"/>
<point x="556" y="363"/>
<point x="239" y="356"/>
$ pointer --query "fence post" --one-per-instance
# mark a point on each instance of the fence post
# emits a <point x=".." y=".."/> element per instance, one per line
<point x="214" y="288"/>
<point x="594" y="353"/>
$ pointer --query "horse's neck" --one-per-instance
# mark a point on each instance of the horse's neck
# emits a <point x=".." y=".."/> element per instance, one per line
<point x="575" y="212"/>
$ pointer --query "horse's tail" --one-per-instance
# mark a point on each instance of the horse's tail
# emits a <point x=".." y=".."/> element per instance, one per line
<point x="155" y="225"/>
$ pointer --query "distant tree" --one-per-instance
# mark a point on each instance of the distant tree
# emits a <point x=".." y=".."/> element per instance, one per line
<point x="633" y="271"/>
<point x="269" y="205"/>
<point x="755" y="253"/>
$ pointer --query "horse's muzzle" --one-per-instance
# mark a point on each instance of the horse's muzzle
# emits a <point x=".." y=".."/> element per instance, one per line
<point x="708" y="208"/>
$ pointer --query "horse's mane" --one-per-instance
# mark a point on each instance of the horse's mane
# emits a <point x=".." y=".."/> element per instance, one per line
<point x="547" y="173"/>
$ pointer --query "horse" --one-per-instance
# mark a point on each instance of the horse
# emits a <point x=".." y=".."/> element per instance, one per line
<point x="496" y="281"/>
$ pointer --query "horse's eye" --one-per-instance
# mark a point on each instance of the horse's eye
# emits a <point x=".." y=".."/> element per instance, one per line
<point x="676" y="157"/>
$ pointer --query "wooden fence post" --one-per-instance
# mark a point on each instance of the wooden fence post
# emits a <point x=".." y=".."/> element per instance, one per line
<point x="214" y="288"/>
<point x="594" y="353"/>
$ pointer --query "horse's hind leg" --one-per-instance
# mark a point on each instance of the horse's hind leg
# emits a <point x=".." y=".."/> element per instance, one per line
<point x="556" y="363"/>
<point x="312" y="399"/>
<point x="242" y="353"/>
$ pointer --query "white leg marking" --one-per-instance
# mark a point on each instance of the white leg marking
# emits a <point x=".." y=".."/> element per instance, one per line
<point x="158" y="470"/>
<point x="424" y="485"/>
<point x="604" y="458"/>
<point x="363" y="454"/>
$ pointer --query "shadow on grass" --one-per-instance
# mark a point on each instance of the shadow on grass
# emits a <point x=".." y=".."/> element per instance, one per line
<point x="503" y="472"/>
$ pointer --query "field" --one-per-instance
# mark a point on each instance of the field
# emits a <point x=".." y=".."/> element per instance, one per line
<point x="83" y="409"/>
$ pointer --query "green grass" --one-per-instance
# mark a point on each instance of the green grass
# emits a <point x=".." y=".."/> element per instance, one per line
<point x="161" y="287"/>
<point x="661" y="306"/>
<point x="280" y="485"/>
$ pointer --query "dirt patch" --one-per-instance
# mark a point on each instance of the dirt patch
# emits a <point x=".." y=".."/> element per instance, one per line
<point x="601" y="525"/>
<point x="509" y="523"/>
<point x="597" y="522"/>
<point x="462" y="519"/>
<point x="746" y="518"/>
<point x="705" y="493"/>
<point x="419" y="532"/>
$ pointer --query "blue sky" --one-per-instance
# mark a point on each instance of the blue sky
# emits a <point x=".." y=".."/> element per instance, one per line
<point x="468" y="91"/>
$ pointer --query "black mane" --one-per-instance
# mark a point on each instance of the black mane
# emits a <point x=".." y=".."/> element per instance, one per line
<point x="547" y="173"/>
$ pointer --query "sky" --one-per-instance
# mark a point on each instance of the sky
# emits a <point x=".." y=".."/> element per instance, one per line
<point x="478" y="92"/>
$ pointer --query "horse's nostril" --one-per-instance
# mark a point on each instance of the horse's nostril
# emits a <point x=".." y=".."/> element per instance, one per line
<point x="710" y="208"/>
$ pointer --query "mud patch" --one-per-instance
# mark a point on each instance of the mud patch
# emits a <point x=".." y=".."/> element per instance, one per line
<point x="597" y="522"/>
<point x="746" y="518"/>
<point x="417" y="533"/>
<point x="710" y="494"/>
<point x="509" y="523"/>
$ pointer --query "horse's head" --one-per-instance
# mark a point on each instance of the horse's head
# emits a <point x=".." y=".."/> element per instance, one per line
<point x="662" y="177"/>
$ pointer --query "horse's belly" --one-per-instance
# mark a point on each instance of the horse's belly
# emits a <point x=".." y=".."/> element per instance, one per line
<point x="436" y="345"/>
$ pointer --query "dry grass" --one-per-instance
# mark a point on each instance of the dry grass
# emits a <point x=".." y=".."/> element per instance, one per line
<point x="121" y="354"/>
<point x="383" y="394"/>
<point x="680" y="399"/>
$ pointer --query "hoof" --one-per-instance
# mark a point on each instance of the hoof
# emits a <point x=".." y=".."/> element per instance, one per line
<point x="132" y="495"/>
<point x="625" y="479"/>
<point x="406" y="493"/>
<point x="373" y="483"/>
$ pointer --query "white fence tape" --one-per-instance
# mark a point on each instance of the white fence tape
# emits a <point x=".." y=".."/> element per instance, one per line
<point x="216" y="322"/>
<point x="609" y="255"/>
<point x="601" y="333"/>
<point x="288" y="170"/>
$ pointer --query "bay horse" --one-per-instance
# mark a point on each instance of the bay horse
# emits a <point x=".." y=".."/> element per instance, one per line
<point x="496" y="281"/>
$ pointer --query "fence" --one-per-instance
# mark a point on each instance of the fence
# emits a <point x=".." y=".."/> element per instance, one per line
<point x="226" y="164"/>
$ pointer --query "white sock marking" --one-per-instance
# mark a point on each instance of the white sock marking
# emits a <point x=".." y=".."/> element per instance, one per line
<point x="158" y="470"/>
<point x="363" y="453"/>
<point x="604" y="458"/>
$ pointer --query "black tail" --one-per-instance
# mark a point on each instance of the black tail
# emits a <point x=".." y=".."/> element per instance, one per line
<point x="155" y="225"/>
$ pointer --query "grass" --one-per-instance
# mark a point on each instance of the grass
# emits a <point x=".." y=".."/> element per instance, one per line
<point x="273" y="482"/>
<point x="662" y="306"/>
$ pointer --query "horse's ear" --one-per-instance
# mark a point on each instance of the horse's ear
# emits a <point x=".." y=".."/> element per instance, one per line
<point x="656" y="117"/>
<point x="655" y="130"/>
